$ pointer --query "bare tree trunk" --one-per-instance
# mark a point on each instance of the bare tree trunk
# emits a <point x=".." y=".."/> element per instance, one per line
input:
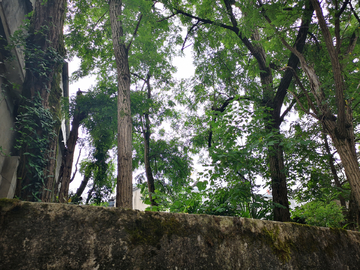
<point x="124" y="179"/>
<point x="77" y="197"/>
<point x="147" y="133"/>
<point x="279" y="184"/>
<point x="334" y="172"/>
<point x="339" y="127"/>
<point x="67" y="161"/>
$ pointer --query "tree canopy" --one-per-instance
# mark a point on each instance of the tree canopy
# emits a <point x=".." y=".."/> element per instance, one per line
<point x="273" y="105"/>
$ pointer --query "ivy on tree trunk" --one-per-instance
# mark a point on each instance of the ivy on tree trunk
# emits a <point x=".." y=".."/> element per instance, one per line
<point x="44" y="56"/>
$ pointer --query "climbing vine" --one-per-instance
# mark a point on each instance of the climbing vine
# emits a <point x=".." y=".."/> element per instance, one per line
<point x="34" y="144"/>
<point x="39" y="111"/>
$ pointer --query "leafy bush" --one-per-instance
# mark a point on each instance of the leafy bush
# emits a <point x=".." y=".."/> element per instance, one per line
<point x="319" y="213"/>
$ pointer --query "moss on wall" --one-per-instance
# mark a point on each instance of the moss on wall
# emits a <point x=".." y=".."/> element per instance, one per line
<point x="62" y="236"/>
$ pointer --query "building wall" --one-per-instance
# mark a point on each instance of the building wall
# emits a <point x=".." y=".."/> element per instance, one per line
<point x="138" y="204"/>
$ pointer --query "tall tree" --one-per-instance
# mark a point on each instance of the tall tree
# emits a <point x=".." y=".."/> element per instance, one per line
<point x="137" y="44"/>
<point x="227" y="15"/>
<point x="44" y="58"/>
<point x="332" y="105"/>
<point x="124" y="180"/>
<point x="67" y="160"/>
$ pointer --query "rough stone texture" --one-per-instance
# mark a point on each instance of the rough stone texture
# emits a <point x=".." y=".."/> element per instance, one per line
<point x="58" y="236"/>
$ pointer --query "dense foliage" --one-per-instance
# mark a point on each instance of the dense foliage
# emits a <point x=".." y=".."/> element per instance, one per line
<point x="273" y="104"/>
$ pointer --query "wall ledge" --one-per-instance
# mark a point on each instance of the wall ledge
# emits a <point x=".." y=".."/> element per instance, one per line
<point x="63" y="236"/>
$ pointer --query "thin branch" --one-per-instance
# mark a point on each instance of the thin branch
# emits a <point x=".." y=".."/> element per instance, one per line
<point x="356" y="16"/>
<point x="355" y="105"/>
<point x="168" y="17"/>
<point x="76" y="166"/>
<point x="242" y="176"/>
<point x="315" y="39"/>
<point x="288" y="109"/>
<point x="188" y="33"/>
<point x="254" y="51"/>
<point x="137" y="75"/>
<point x="205" y="21"/>
<point x="302" y="107"/>
<point x="135" y="32"/>
<point x="338" y="14"/>
<point x="311" y="104"/>
<point x="99" y="20"/>
<point x="227" y="102"/>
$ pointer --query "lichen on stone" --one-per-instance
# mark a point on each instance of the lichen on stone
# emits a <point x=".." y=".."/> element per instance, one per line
<point x="8" y="204"/>
<point x="282" y="249"/>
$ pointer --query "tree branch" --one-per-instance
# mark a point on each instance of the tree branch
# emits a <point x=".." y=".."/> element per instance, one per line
<point x="188" y="33"/>
<point x="338" y="78"/>
<point x="302" y="107"/>
<point x="338" y="14"/>
<point x="356" y="16"/>
<point x="76" y="166"/>
<point x="288" y="109"/>
<point x="135" y="32"/>
<point x="311" y="104"/>
<point x="168" y="17"/>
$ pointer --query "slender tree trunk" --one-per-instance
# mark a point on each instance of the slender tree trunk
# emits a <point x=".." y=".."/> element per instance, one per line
<point x="334" y="172"/>
<point x="278" y="183"/>
<point x="274" y="101"/>
<point x="44" y="58"/>
<point x="77" y="197"/>
<point x="147" y="133"/>
<point x="124" y="179"/>
<point x="90" y="193"/>
<point x="68" y="157"/>
<point x="275" y="152"/>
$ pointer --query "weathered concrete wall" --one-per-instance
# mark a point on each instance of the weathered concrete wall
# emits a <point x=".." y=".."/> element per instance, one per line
<point x="8" y="177"/>
<point x="55" y="236"/>
<point x="12" y="72"/>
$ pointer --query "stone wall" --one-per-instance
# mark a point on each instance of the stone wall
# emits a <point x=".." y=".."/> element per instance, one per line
<point x="58" y="236"/>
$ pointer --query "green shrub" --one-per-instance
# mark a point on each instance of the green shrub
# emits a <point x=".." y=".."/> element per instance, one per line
<point x="320" y="213"/>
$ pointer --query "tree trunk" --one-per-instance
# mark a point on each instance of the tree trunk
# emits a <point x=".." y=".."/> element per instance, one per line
<point x="353" y="215"/>
<point x="68" y="157"/>
<point x="340" y="128"/>
<point x="49" y="189"/>
<point x="77" y="197"/>
<point x="346" y="151"/>
<point x="334" y="172"/>
<point x="43" y="62"/>
<point x="278" y="184"/>
<point x="147" y="133"/>
<point x="124" y="179"/>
